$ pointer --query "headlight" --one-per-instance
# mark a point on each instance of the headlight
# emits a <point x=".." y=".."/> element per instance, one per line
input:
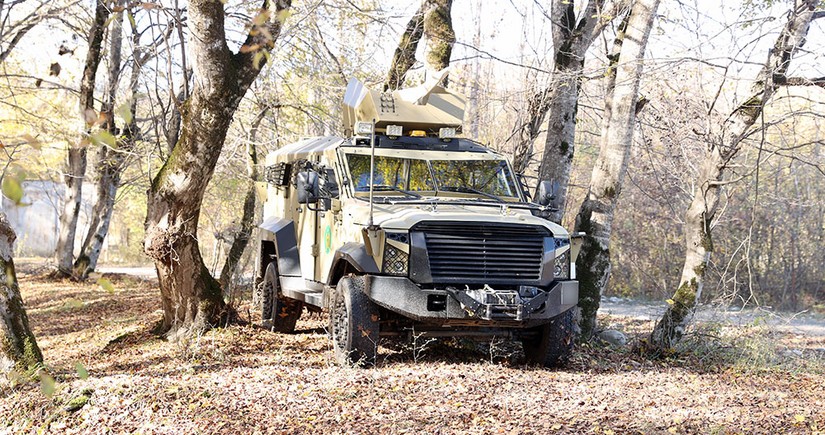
<point x="562" y="266"/>
<point x="396" y="261"/>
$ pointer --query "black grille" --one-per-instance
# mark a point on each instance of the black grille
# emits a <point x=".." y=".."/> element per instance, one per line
<point x="484" y="253"/>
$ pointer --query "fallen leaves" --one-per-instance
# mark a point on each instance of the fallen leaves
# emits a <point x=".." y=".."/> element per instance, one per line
<point x="243" y="379"/>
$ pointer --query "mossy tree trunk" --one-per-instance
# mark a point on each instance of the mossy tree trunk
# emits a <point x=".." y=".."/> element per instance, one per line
<point x="719" y="152"/>
<point x="241" y="239"/>
<point x="439" y="34"/>
<point x="595" y="216"/>
<point x="191" y="298"/>
<point x="18" y="347"/>
<point x="404" y="57"/>
<point x="433" y="22"/>
<point x="76" y="155"/>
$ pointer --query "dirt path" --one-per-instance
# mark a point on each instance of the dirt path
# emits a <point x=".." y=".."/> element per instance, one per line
<point x="803" y="323"/>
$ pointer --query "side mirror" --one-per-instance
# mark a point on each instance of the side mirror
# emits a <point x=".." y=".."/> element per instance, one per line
<point x="546" y="192"/>
<point x="307" y="186"/>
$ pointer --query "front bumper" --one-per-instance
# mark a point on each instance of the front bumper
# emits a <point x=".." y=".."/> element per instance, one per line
<point x="450" y="306"/>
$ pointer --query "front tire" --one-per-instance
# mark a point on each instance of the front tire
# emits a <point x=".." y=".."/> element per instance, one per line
<point x="353" y="323"/>
<point x="278" y="312"/>
<point x="551" y="343"/>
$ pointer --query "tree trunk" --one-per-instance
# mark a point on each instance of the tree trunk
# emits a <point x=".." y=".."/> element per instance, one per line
<point x="109" y="163"/>
<point x="438" y="30"/>
<point x="595" y="216"/>
<point x="18" y="347"/>
<point x="404" y="57"/>
<point x="241" y="239"/>
<point x="191" y="297"/>
<point x="559" y="103"/>
<point x="76" y="156"/>
<point x="698" y="242"/>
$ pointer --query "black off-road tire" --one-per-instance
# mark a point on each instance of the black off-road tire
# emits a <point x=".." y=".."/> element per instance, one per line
<point x="552" y="343"/>
<point x="353" y="324"/>
<point x="278" y="312"/>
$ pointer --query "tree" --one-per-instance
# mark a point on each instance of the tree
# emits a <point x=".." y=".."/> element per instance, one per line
<point x="76" y="154"/>
<point x="113" y="152"/>
<point x="241" y="239"/>
<point x="572" y="37"/>
<point x="404" y="57"/>
<point x="433" y="21"/>
<point x="719" y="152"/>
<point x="191" y="297"/>
<point x="595" y="216"/>
<point x="438" y="30"/>
<point x="18" y="347"/>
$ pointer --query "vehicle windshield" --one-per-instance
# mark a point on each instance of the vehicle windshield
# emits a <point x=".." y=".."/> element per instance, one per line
<point x="488" y="179"/>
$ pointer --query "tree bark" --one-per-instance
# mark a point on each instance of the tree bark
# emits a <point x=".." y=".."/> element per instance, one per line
<point x="76" y="156"/>
<point x="595" y="216"/>
<point x="241" y="239"/>
<point x="727" y="143"/>
<point x="18" y="347"/>
<point x="438" y="30"/>
<point x="191" y="297"/>
<point x="109" y="162"/>
<point x="404" y="57"/>
<point x="558" y="103"/>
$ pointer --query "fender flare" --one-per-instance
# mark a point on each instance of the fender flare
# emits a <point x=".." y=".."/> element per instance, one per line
<point x="281" y="232"/>
<point x="355" y="255"/>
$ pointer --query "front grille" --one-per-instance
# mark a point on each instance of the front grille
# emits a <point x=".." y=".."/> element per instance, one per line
<point x="481" y="253"/>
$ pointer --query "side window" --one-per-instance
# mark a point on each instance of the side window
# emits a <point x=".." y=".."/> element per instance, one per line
<point x="329" y="184"/>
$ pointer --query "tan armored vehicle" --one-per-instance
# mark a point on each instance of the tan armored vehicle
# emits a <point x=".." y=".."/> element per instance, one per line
<point x="439" y="239"/>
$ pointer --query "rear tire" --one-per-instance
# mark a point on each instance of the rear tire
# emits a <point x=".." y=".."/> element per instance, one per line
<point x="353" y="323"/>
<point x="552" y="343"/>
<point x="278" y="312"/>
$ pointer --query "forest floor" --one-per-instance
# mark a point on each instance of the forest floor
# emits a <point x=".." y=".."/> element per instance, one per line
<point x="109" y="373"/>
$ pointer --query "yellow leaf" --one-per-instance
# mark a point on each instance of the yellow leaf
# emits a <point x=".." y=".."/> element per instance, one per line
<point x="799" y="418"/>
<point x="125" y="112"/>
<point x="32" y="141"/>
<point x="103" y="137"/>
<point x="670" y="301"/>
<point x="12" y="189"/>
<point x="106" y="285"/>
<point x="261" y="18"/>
<point x="47" y="384"/>
<point x="81" y="371"/>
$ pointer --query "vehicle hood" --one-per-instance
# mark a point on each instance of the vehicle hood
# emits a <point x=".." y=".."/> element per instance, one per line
<point x="401" y="216"/>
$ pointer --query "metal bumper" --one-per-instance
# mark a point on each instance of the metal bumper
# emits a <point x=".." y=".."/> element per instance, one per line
<point x="485" y="306"/>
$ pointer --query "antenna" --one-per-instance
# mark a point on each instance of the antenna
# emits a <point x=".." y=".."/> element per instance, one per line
<point x="372" y="169"/>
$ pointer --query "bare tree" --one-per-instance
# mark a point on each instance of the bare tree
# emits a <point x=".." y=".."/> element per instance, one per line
<point x="558" y="102"/>
<point x="191" y="297"/>
<point x="241" y="239"/>
<point x="76" y="155"/>
<point x="112" y="160"/>
<point x="595" y="216"/>
<point x="726" y="143"/>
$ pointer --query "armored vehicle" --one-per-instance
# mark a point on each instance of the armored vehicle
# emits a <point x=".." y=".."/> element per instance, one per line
<point x="401" y="228"/>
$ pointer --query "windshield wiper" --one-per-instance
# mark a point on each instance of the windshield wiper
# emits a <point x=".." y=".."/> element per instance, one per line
<point x="387" y="187"/>
<point x="465" y="189"/>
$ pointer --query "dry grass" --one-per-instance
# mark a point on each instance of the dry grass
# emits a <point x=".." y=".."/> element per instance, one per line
<point x="242" y="379"/>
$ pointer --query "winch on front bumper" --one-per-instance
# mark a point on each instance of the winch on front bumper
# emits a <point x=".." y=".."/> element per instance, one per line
<point x="526" y="307"/>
